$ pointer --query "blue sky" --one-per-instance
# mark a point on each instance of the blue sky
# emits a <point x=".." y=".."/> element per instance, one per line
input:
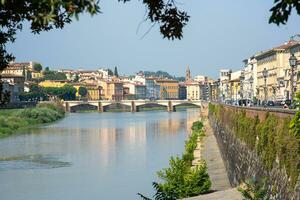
<point x="220" y="34"/>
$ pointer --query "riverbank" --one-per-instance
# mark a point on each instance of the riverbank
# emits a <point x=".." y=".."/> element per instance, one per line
<point x="12" y="120"/>
<point x="208" y="150"/>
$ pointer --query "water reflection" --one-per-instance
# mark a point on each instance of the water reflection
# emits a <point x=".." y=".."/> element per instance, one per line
<point x="111" y="155"/>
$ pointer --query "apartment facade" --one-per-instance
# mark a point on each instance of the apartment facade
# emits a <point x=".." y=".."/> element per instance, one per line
<point x="193" y="90"/>
<point x="276" y="85"/>
<point x="168" y="88"/>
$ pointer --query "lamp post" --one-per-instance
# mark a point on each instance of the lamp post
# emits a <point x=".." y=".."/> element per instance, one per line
<point x="251" y="82"/>
<point x="293" y="64"/>
<point x="265" y="75"/>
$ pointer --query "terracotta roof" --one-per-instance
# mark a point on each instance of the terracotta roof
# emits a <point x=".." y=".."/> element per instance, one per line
<point x="287" y="45"/>
<point x="166" y="80"/>
<point x="12" y="76"/>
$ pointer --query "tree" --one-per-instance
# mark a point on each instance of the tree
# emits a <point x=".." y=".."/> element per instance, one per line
<point x="6" y="97"/>
<point x="37" y="67"/>
<point x="110" y="72"/>
<point x="47" y="69"/>
<point x="116" y="72"/>
<point x="35" y="88"/>
<point x="82" y="91"/>
<point x="53" y="75"/>
<point x="67" y="92"/>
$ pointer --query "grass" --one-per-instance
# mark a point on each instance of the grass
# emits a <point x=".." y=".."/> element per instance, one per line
<point x="12" y="120"/>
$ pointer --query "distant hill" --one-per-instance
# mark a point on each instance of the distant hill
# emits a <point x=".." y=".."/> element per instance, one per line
<point x="163" y="75"/>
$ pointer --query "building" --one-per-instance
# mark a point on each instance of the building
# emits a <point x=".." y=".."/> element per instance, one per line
<point x="25" y="69"/>
<point x="140" y="91"/>
<point x="201" y="78"/>
<point x="182" y="91"/>
<point x="112" y="89"/>
<point x="168" y="88"/>
<point x="224" y="86"/>
<point x="250" y="79"/>
<point x="188" y="74"/>
<point x="95" y="92"/>
<point x="14" y="84"/>
<point x="215" y="91"/>
<point x="276" y="85"/>
<point x="204" y="91"/>
<point x="53" y="83"/>
<point x="193" y="90"/>
<point x="151" y="88"/>
<point x="235" y="86"/>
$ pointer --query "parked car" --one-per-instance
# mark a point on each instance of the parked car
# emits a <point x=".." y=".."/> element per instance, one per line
<point x="270" y="103"/>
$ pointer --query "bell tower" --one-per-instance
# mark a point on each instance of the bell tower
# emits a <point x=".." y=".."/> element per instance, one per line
<point x="187" y="74"/>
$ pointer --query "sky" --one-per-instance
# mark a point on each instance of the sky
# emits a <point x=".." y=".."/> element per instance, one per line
<point x="220" y="34"/>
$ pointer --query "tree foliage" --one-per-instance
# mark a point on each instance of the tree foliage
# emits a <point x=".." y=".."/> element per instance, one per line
<point x="37" y="67"/>
<point x="180" y="179"/>
<point x="82" y="91"/>
<point x="110" y="72"/>
<point x="116" y="72"/>
<point x="54" y="75"/>
<point x="282" y="10"/>
<point x="67" y="92"/>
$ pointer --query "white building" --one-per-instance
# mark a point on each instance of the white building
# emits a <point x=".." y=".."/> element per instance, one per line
<point x="250" y="79"/>
<point x="200" y="78"/>
<point x="224" y="84"/>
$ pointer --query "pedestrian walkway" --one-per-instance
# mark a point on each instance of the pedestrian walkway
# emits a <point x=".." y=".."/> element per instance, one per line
<point x="209" y="151"/>
<point x="230" y="194"/>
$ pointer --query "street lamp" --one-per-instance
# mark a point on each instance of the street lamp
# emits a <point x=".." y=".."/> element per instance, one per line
<point x="293" y="64"/>
<point x="265" y="75"/>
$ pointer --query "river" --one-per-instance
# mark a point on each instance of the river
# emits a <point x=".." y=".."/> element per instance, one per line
<point x="92" y="156"/>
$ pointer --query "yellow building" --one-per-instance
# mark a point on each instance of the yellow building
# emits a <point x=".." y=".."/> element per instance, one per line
<point x="235" y="85"/>
<point x="169" y="89"/>
<point x="193" y="90"/>
<point x="36" y="75"/>
<point x="276" y="85"/>
<point x="94" y="92"/>
<point x="51" y="83"/>
<point x="111" y="90"/>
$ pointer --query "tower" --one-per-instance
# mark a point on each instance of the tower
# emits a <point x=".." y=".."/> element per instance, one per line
<point x="187" y="74"/>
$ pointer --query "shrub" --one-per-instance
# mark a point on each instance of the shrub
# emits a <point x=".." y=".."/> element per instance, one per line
<point x="11" y="120"/>
<point x="180" y="179"/>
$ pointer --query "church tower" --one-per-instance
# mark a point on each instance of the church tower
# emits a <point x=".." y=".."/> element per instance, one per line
<point x="187" y="74"/>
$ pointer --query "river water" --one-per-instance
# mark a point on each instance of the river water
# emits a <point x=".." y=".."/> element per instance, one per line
<point x="92" y="156"/>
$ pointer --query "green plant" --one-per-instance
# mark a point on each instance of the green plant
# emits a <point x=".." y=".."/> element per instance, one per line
<point x="180" y="179"/>
<point x="253" y="190"/>
<point x="272" y="138"/>
<point x="12" y="120"/>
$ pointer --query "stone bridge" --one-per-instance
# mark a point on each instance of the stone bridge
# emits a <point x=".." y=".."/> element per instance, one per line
<point x="134" y="104"/>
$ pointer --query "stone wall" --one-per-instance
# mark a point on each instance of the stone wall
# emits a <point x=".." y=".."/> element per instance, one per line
<point x="243" y="163"/>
